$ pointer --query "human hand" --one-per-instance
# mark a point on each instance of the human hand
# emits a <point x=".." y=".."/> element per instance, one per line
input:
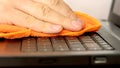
<point x="47" y="16"/>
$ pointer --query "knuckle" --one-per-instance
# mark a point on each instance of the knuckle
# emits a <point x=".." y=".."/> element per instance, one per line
<point x="45" y="11"/>
<point x="54" y="2"/>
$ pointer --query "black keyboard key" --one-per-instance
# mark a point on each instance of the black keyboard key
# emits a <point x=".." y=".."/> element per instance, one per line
<point x="44" y="45"/>
<point x="107" y="47"/>
<point x="59" y="44"/>
<point x="102" y="42"/>
<point x="90" y="43"/>
<point x="92" y="46"/>
<point x="74" y="44"/>
<point x="29" y="45"/>
<point x="86" y="39"/>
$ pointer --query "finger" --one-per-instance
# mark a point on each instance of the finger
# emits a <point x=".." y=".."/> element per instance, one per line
<point x="59" y="6"/>
<point x="24" y="20"/>
<point x="4" y="8"/>
<point x="43" y="12"/>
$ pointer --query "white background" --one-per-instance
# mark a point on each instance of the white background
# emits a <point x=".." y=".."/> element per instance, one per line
<point x="96" y="8"/>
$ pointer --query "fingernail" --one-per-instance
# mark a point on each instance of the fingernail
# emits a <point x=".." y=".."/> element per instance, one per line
<point x="77" y="24"/>
<point x="56" y="27"/>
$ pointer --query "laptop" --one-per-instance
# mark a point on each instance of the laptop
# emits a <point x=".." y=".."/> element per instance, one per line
<point x="93" y="48"/>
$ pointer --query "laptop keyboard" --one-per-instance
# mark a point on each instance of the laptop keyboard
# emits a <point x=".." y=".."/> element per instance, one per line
<point x="86" y="42"/>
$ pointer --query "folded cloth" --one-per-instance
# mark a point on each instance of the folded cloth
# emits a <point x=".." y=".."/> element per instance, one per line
<point x="14" y="32"/>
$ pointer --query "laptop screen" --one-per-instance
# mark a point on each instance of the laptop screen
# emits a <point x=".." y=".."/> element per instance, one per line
<point x="115" y="13"/>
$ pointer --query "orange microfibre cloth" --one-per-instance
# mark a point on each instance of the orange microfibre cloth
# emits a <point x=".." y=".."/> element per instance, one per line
<point x="14" y="32"/>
